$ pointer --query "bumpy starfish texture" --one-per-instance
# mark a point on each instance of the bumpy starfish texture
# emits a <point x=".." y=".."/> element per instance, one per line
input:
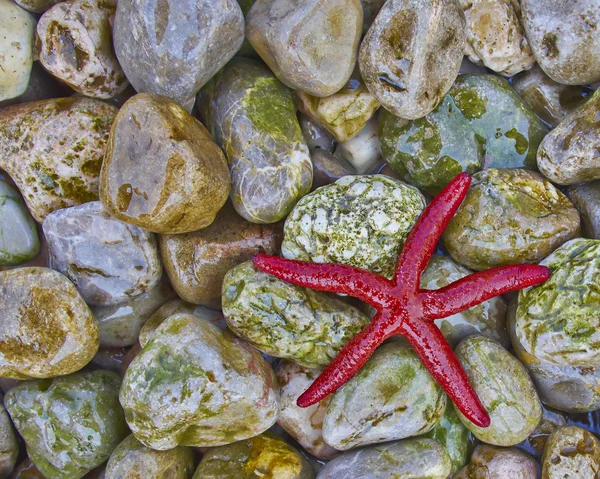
<point x="404" y="308"/>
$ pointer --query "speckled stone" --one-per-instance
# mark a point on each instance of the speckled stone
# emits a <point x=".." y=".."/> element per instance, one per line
<point x="363" y="150"/>
<point x="36" y="6"/>
<point x="132" y="460"/>
<point x="564" y="38"/>
<point x="19" y="241"/>
<point x="570" y="153"/>
<point x="391" y="397"/>
<point x="358" y="220"/>
<point x="120" y="324"/>
<point x="162" y="171"/>
<point x="418" y="458"/>
<point x="571" y="452"/>
<point x="253" y="118"/>
<point x="317" y="138"/>
<point x="286" y="321"/>
<point x="194" y="385"/>
<point x="586" y="199"/>
<point x="70" y="424"/>
<point x="344" y="113"/>
<point x="495" y="37"/>
<point x="9" y="444"/>
<point x="197" y="262"/>
<point x="311" y="45"/>
<point x="549" y="100"/>
<point x="46" y="329"/>
<point x="53" y="150"/>
<point x="510" y="216"/>
<point x="328" y="169"/>
<point x="264" y="456"/>
<point x="75" y="45"/>
<point x="108" y="260"/>
<point x="504" y="388"/>
<point x="303" y="424"/>
<point x="178" y="306"/>
<point x="411" y="54"/>
<point x="16" y="49"/>
<point x="489" y="462"/>
<point x="173" y="47"/>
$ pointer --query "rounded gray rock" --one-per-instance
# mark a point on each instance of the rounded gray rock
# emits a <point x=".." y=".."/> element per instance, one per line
<point x="489" y="462"/>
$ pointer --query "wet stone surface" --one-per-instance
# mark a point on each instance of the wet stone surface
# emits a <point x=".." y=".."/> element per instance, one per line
<point x="489" y="462"/>
<point x="571" y="452"/>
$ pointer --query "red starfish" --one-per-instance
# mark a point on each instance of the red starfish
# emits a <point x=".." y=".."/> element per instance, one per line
<point x="403" y="308"/>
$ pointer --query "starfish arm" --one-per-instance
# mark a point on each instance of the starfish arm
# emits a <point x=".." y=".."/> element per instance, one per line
<point x="479" y="287"/>
<point x="423" y="238"/>
<point x="332" y="278"/>
<point x="439" y="359"/>
<point x="347" y="363"/>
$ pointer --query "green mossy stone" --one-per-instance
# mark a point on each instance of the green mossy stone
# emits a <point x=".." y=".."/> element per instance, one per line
<point x="9" y="444"/>
<point x="19" y="241"/>
<point x="70" y="424"/>
<point x="361" y="221"/>
<point x="195" y="385"/>
<point x="286" y="321"/>
<point x="260" y="457"/>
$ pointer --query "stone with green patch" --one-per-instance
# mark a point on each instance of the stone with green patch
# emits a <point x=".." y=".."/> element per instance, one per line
<point x="501" y="462"/>
<point x="195" y="385"/>
<point x="53" y="150"/>
<point x="19" y="241"/>
<point x="252" y="116"/>
<point x="287" y="321"/>
<point x="46" y="328"/>
<point x="9" y="444"/>
<point x="510" y="216"/>
<point x="70" y="424"/>
<point x="418" y="458"/>
<point x="504" y="388"/>
<point x="391" y="397"/>
<point x="263" y="456"/>
<point x="361" y="221"/>
<point x="132" y="460"/>
<point x="571" y="451"/>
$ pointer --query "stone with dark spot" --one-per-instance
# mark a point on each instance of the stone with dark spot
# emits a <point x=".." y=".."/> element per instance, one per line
<point x="571" y="452"/>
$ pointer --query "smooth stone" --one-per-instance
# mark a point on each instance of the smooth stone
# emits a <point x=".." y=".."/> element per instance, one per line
<point x="132" y="460"/>
<point x="19" y="241"/>
<point x="495" y="36"/>
<point x="108" y="260"/>
<point x="361" y="221"/>
<point x="37" y="6"/>
<point x="453" y="436"/>
<point x="510" y="216"/>
<point x="75" y="45"/>
<point x="9" y="444"/>
<point x="161" y="170"/>
<point x="570" y="153"/>
<point x="391" y="397"/>
<point x="197" y="262"/>
<point x="262" y="456"/>
<point x="328" y="169"/>
<point x="510" y="132"/>
<point x="316" y="137"/>
<point x="194" y="385"/>
<point x="42" y="86"/>
<point x="504" y="388"/>
<point x="46" y="328"/>
<point x="70" y="424"/>
<point x="253" y="117"/>
<point x="370" y="10"/>
<point x="303" y="424"/>
<point x="490" y="462"/>
<point x="53" y="150"/>
<point x="418" y="458"/>
<point x="536" y="442"/>
<point x="571" y="452"/>
<point x="411" y="54"/>
<point x="173" y="48"/>
<point x="120" y="324"/>
<point x="363" y="150"/>
<point x="344" y="113"/>
<point x="564" y="38"/>
<point x="312" y="45"/>
<point x="549" y="100"/>
<point x="175" y="306"/>
<point x="586" y="199"/>
<point x="16" y="49"/>
<point x="287" y="321"/>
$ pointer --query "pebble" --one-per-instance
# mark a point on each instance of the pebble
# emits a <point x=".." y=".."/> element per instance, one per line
<point x="363" y="150"/>
<point x="586" y="199"/>
<point x="316" y="137"/>
<point x="9" y="444"/>
<point x="328" y="169"/>
<point x="489" y="462"/>
<point x="571" y="452"/>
